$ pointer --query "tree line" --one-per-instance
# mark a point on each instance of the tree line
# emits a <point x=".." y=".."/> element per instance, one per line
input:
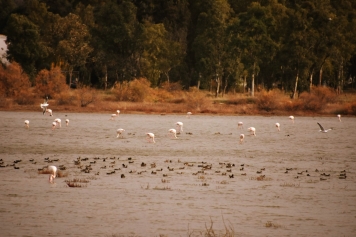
<point x="221" y="45"/>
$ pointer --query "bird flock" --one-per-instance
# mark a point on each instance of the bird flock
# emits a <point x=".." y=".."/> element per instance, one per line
<point x="150" y="136"/>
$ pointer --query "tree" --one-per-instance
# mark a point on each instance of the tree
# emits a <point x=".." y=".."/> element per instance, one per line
<point x="74" y="48"/>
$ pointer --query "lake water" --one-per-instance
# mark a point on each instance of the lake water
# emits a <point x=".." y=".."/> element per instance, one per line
<point x="184" y="200"/>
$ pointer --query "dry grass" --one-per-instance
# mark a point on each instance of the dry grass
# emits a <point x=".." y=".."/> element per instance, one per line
<point x="138" y="97"/>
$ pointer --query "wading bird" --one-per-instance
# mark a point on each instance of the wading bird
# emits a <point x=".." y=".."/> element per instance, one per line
<point x="27" y="123"/>
<point x="291" y="118"/>
<point x="240" y="125"/>
<point x="150" y="137"/>
<point x="189" y="114"/>
<point x="242" y="136"/>
<point x="278" y="126"/>
<point x="179" y="127"/>
<point x="54" y="124"/>
<point x="322" y="129"/>
<point x="173" y="132"/>
<point x="339" y="117"/>
<point x="67" y="122"/>
<point x="113" y="116"/>
<point x="252" y="130"/>
<point x="52" y="175"/>
<point x="58" y="122"/>
<point x="119" y="132"/>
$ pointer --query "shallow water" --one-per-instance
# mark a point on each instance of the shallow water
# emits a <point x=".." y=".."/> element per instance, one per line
<point x="185" y="203"/>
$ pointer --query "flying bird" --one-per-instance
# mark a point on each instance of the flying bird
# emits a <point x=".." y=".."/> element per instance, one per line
<point x="322" y="129"/>
<point x="119" y="132"/>
<point x="44" y="106"/>
<point x="150" y="137"/>
<point x="27" y="123"/>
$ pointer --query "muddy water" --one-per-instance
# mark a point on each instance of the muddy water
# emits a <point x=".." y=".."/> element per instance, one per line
<point x="181" y="202"/>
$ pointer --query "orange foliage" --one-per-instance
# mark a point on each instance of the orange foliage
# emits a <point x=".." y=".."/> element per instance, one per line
<point x="13" y="80"/>
<point x="135" y="91"/>
<point x="50" y="83"/>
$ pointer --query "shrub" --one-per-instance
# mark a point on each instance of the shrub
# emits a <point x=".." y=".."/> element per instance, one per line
<point x="87" y="96"/>
<point x="65" y="98"/>
<point x="25" y="98"/>
<point x="134" y="91"/>
<point x="50" y="83"/>
<point x="13" y="80"/>
<point x="266" y="101"/>
<point x="353" y="108"/>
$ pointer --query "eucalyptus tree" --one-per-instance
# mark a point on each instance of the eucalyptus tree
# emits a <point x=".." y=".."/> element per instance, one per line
<point x="73" y="48"/>
<point x="253" y="39"/>
<point x="210" y="43"/>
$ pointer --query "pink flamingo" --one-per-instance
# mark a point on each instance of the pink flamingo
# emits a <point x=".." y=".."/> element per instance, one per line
<point x="150" y="137"/>
<point x="58" y="122"/>
<point x="242" y="136"/>
<point x="278" y="126"/>
<point x="67" y="122"/>
<point x="189" y="114"/>
<point x="53" y="170"/>
<point x="179" y="127"/>
<point x="27" y="123"/>
<point x="339" y="117"/>
<point x="173" y="132"/>
<point x="119" y="132"/>
<point x="113" y="116"/>
<point x="252" y="130"/>
<point x="240" y="125"/>
<point x="54" y="124"/>
<point x="291" y="118"/>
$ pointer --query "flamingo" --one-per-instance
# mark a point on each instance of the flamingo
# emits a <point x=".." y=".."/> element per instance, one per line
<point x="189" y="114"/>
<point x="44" y="106"/>
<point x="291" y="118"/>
<point x="252" y="130"/>
<point x="173" y="132"/>
<point x="113" y="116"/>
<point x="179" y="127"/>
<point x="278" y="126"/>
<point x="119" y="132"/>
<point x="49" y="111"/>
<point x="53" y="170"/>
<point x="242" y="136"/>
<point x="67" y="122"/>
<point x="339" y="117"/>
<point x="150" y="137"/>
<point x="322" y="129"/>
<point x="27" y="123"/>
<point x="58" y="122"/>
<point x="240" y="125"/>
<point x="54" y="124"/>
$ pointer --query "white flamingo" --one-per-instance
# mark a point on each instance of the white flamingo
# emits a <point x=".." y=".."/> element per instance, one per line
<point x="291" y="118"/>
<point x="53" y="170"/>
<point x="189" y="114"/>
<point x="67" y="122"/>
<point x="27" y="123"/>
<point x="49" y="111"/>
<point x="58" y="122"/>
<point x="278" y="126"/>
<point x="322" y="129"/>
<point x="252" y="130"/>
<point x="54" y="124"/>
<point x="179" y="127"/>
<point x="173" y="132"/>
<point x="339" y="117"/>
<point x="240" y="125"/>
<point x="44" y="106"/>
<point x="113" y="116"/>
<point x="150" y="137"/>
<point x="242" y="136"/>
<point x="119" y="132"/>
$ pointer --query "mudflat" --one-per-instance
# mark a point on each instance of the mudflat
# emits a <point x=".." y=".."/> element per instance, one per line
<point x="278" y="183"/>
